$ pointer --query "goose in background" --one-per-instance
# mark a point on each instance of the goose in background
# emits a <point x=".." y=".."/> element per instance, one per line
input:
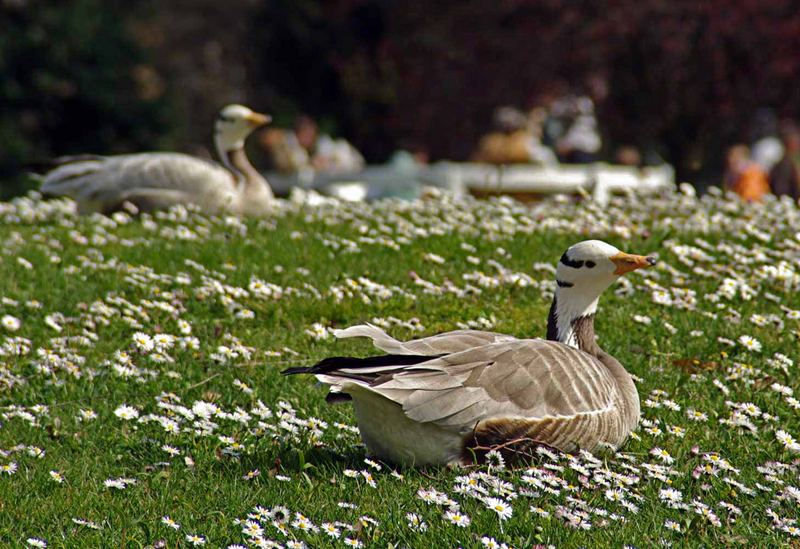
<point x="453" y="397"/>
<point x="159" y="180"/>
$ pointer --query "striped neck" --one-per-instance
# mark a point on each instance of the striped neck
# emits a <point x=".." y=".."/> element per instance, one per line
<point x="571" y="319"/>
<point x="230" y="160"/>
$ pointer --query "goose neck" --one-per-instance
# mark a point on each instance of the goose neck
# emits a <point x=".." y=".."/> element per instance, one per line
<point x="571" y="319"/>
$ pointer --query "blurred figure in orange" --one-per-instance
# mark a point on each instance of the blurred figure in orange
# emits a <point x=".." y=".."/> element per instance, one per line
<point x="516" y="139"/>
<point x="743" y="176"/>
<point x="306" y="150"/>
<point x="628" y="155"/>
<point x="785" y="175"/>
<point x="507" y="144"/>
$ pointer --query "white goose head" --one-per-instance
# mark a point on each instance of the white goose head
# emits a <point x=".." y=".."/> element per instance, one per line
<point x="234" y="123"/>
<point x="583" y="273"/>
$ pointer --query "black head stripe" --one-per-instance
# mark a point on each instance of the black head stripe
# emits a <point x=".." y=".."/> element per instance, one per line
<point x="563" y="284"/>
<point x="571" y="263"/>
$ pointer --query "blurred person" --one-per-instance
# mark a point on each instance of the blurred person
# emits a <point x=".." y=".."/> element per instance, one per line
<point x="581" y="142"/>
<point x="555" y="101"/>
<point x="508" y="142"/>
<point x="785" y="175"/>
<point x="571" y="127"/>
<point x="304" y="149"/>
<point x="539" y="152"/>
<point x="290" y="150"/>
<point x="409" y="156"/>
<point x="336" y="156"/>
<point x="766" y="145"/>
<point x="628" y="155"/>
<point x="744" y="176"/>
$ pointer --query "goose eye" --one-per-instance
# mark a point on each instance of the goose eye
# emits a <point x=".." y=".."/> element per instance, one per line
<point x="590" y="264"/>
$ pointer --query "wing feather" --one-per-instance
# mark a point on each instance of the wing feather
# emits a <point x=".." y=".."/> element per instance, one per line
<point x="439" y="344"/>
<point x="157" y="177"/>
<point x="531" y="378"/>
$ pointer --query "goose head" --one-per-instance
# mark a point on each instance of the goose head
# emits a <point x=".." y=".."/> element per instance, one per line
<point x="234" y="123"/>
<point x="583" y="273"/>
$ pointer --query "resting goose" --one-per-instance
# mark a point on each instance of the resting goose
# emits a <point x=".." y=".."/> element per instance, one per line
<point x="452" y="397"/>
<point x="157" y="180"/>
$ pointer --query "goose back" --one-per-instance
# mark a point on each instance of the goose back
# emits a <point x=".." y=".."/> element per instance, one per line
<point x="149" y="180"/>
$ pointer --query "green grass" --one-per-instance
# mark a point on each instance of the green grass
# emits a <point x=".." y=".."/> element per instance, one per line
<point x="129" y="261"/>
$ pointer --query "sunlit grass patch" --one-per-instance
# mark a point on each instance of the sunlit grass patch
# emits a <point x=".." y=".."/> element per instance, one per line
<point x="141" y="399"/>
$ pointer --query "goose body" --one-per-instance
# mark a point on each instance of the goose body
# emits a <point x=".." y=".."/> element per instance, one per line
<point x="453" y="397"/>
<point x="158" y="180"/>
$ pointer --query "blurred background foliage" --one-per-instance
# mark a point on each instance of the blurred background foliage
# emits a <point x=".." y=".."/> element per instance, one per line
<point x="681" y="79"/>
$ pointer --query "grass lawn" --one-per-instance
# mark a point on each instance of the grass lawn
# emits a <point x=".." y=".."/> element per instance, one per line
<point x="141" y="401"/>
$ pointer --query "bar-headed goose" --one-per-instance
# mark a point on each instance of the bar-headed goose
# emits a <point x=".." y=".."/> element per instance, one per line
<point x="158" y="180"/>
<point x="452" y="397"/>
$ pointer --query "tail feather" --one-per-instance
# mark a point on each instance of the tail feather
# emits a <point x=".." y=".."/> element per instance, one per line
<point x="352" y="365"/>
<point x="335" y="397"/>
<point x="380" y="339"/>
<point x="70" y="178"/>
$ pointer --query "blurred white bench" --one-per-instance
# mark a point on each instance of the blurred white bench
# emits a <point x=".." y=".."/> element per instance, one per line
<point x="525" y="182"/>
<point x="598" y="180"/>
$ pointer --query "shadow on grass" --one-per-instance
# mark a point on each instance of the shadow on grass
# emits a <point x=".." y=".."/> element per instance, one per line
<point x="292" y="460"/>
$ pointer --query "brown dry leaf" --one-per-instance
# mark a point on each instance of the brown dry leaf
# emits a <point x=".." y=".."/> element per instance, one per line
<point x="764" y="382"/>
<point x="694" y="365"/>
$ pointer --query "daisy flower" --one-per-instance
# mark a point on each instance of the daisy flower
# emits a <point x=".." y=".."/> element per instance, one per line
<point x="670" y="495"/>
<point x="694" y="415"/>
<point x="184" y="327"/>
<point x="252" y="529"/>
<point x="331" y="530"/>
<point x="171" y="450"/>
<point x="793" y="531"/>
<point x="457" y="518"/>
<point x="9" y="468"/>
<point x="495" y="460"/>
<point x="250" y="475"/>
<point x="787" y="440"/>
<point x="416" y="523"/>
<point x="750" y="343"/>
<point x="143" y="342"/>
<point x="503" y="509"/>
<point x="662" y="455"/>
<point x="126" y="412"/>
<point x="12" y="324"/>
<point x="491" y="543"/>
<point x="195" y="539"/>
<point x="167" y="521"/>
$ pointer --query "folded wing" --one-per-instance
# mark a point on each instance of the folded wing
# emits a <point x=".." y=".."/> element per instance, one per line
<point x="529" y="378"/>
<point x="160" y="178"/>
<point x="448" y="342"/>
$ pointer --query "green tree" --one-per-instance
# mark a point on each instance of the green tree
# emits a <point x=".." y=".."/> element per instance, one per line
<point x="73" y="80"/>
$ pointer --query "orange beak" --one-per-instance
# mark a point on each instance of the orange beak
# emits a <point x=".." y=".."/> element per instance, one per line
<point x="628" y="262"/>
<point x="257" y="119"/>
